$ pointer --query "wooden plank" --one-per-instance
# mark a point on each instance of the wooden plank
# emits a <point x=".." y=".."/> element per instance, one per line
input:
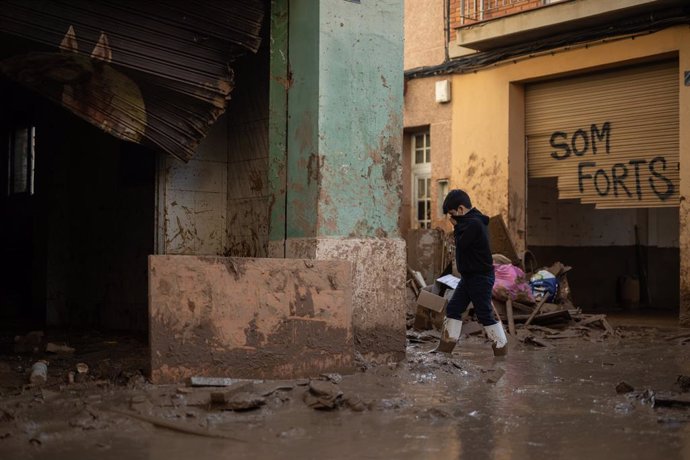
<point x="511" y="321"/>
<point x="591" y="319"/>
<point x="552" y="317"/>
<point x="536" y="311"/>
<point x="522" y="307"/>
<point x="499" y="239"/>
<point x="607" y="326"/>
<point x="671" y="399"/>
<point x="498" y="317"/>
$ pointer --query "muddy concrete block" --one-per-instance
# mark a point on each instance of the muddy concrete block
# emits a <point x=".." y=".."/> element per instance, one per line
<point x="249" y="318"/>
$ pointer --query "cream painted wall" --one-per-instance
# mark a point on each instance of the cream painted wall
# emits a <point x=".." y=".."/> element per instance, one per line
<point x="484" y="148"/>
<point x="487" y="105"/>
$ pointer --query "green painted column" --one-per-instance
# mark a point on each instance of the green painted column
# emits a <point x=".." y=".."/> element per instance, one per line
<point x="279" y="84"/>
<point x="338" y="170"/>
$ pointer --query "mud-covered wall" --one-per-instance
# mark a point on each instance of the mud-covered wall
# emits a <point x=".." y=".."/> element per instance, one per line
<point x="488" y="110"/>
<point x="338" y="195"/>
<point x="248" y="190"/>
<point x="345" y="98"/>
<point x="217" y="203"/>
<point x="193" y="201"/>
<point x="249" y="318"/>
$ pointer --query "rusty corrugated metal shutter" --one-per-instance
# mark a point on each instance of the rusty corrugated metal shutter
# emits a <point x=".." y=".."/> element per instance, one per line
<point x="155" y="72"/>
<point x="611" y="139"/>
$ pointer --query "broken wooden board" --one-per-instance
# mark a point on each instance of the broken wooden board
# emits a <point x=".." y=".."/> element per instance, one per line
<point x="511" y="320"/>
<point x="499" y="239"/>
<point x="671" y="399"/>
<point x="591" y="319"/>
<point x="535" y="312"/>
<point x="552" y="317"/>
<point x="530" y="339"/>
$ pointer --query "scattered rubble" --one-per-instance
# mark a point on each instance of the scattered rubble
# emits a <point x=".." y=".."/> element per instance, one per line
<point x="549" y="303"/>
<point x="59" y="348"/>
<point x="244" y="401"/>
<point x="623" y="388"/>
<point x="323" y="395"/>
<point x="39" y="372"/>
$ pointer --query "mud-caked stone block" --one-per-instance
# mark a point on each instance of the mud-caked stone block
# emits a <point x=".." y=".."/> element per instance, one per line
<point x="249" y="318"/>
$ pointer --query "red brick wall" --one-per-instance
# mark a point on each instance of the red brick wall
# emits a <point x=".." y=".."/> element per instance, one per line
<point x="492" y="9"/>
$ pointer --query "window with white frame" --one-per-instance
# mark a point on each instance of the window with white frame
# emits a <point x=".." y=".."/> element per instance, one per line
<point x="441" y="192"/>
<point x="421" y="180"/>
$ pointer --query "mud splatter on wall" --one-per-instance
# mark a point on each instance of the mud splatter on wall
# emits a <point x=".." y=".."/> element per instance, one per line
<point x="293" y="319"/>
<point x="248" y="191"/>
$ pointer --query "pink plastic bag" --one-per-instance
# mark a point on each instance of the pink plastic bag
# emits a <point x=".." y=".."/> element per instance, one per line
<point x="512" y="284"/>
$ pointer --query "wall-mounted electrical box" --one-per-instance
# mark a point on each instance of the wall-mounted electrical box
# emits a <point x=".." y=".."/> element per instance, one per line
<point x="443" y="91"/>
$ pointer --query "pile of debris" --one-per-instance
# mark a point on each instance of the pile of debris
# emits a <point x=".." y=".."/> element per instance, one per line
<point x="671" y="405"/>
<point x="535" y="304"/>
<point x="38" y="360"/>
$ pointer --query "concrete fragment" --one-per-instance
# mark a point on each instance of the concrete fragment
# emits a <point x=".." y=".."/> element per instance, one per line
<point x="494" y="375"/>
<point x="244" y="401"/>
<point x="274" y="389"/>
<point x="322" y="395"/>
<point x="355" y="403"/>
<point x="623" y="388"/>
<point x="140" y="404"/>
<point x="333" y="377"/>
<point x="225" y="395"/>
<point x="530" y="339"/>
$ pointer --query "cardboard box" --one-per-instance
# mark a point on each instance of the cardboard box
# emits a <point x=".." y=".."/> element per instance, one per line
<point x="431" y="301"/>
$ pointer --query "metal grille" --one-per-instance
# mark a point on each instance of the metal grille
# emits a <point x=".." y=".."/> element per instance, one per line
<point x="479" y="10"/>
<point x="611" y="139"/>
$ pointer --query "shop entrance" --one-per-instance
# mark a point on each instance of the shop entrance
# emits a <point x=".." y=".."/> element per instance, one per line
<point x="603" y="184"/>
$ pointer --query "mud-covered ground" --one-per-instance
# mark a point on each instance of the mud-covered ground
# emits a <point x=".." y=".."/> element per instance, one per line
<point x="557" y="401"/>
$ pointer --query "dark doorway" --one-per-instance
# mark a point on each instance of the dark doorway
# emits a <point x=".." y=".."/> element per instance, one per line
<point x="76" y="220"/>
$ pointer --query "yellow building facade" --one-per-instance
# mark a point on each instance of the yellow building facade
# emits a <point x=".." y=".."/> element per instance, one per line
<point x="490" y="154"/>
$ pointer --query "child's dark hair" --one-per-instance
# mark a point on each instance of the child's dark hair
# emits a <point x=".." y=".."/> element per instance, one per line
<point x="456" y="198"/>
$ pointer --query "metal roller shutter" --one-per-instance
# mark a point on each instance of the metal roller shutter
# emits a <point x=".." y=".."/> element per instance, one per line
<point x="154" y="72"/>
<point x="611" y="139"/>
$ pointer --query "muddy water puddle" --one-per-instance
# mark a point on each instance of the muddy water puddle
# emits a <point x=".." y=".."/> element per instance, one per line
<point x="558" y="402"/>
